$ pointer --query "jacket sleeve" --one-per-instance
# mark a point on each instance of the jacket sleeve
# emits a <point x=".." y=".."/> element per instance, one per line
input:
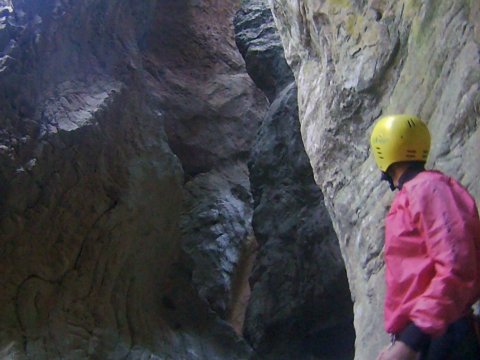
<point x="446" y="220"/>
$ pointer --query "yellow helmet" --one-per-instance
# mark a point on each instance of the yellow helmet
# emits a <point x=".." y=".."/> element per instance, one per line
<point x="398" y="138"/>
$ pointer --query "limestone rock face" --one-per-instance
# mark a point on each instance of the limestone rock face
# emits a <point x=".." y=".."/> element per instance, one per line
<point x="217" y="231"/>
<point x="356" y="60"/>
<point x="259" y="43"/>
<point x="300" y="306"/>
<point x="300" y="299"/>
<point x="123" y="126"/>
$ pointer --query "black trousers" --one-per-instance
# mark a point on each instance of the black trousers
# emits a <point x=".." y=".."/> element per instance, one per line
<point x="458" y="343"/>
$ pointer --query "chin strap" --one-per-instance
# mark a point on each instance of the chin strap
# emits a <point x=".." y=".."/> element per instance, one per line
<point x="388" y="178"/>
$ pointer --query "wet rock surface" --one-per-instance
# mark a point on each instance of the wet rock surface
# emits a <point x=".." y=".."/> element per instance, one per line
<point x="217" y="230"/>
<point x="300" y="306"/>
<point x="354" y="61"/>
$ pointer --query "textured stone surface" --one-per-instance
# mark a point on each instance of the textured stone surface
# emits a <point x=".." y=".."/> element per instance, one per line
<point x="300" y="306"/>
<point x="108" y="112"/>
<point x="216" y="224"/>
<point x="300" y="297"/>
<point x="353" y="61"/>
<point x="259" y="43"/>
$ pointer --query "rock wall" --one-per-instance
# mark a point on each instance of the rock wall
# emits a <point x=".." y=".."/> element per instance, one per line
<point x="300" y="306"/>
<point x="135" y="189"/>
<point x="125" y="208"/>
<point x="353" y="61"/>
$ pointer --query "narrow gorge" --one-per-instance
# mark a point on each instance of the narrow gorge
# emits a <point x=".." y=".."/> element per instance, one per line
<point x="192" y="180"/>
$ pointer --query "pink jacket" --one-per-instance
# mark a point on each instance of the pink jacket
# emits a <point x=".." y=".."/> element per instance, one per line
<point x="432" y="254"/>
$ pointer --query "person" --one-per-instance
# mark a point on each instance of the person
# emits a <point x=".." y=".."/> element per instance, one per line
<point x="432" y="249"/>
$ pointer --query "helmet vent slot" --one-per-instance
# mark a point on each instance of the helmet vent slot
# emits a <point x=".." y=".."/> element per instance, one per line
<point x="411" y="154"/>
<point x="399" y="138"/>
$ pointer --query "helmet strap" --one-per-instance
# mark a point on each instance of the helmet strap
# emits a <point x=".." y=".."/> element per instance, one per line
<point x="389" y="179"/>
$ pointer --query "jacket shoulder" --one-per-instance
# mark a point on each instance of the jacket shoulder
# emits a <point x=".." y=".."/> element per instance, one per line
<point x="431" y="183"/>
<point x="427" y="178"/>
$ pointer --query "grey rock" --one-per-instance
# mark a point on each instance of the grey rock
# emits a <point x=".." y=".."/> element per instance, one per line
<point x="354" y="61"/>
<point x="300" y="300"/>
<point x="259" y="43"/>
<point x="216" y="227"/>
<point x="300" y="306"/>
